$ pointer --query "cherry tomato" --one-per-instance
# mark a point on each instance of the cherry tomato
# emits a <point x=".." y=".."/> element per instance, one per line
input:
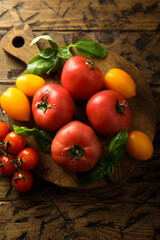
<point x="29" y="83"/>
<point x="121" y="82"/>
<point x="139" y="145"/>
<point x="15" y="103"/>
<point x="81" y="77"/>
<point x="6" y="166"/>
<point x="4" y="130"/>
<point x="27" y="158"/>
<point x="14" y="143"/>
<point x="76" y="147"/>
<point x="52" y="107"/>
<point x="108" y="113"/>
<point x="20" y="183"/>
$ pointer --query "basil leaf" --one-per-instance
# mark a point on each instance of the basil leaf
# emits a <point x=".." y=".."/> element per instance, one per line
<point x="85" y="53"/>
<point x="46" y="37"/>
<point x="39" y="65"/>
<point x="64" y="52"/>
<point x="47" y="53"/>
<point x="90" y="46"/>
<point x="110" y="169"/>
<point x="117" y="147"/>
<point x="24" y="131"/>
<point x="57" y="64"/>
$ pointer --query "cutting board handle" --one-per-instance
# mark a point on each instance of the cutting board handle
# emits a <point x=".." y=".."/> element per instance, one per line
<point x="17" y="41"/>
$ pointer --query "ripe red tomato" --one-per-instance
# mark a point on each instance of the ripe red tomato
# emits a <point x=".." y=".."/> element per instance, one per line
<point x="4" y="130"/>
<point x="14" y="143"/>
<point x="76" y="147"/>
<point x="52" y="107"/>
<point x="81" y="77"/>
<point x="27" y="158"/>
<point x="7" y="167"/>
<point x="108" y="113"/>
<point x="20" y="183"/>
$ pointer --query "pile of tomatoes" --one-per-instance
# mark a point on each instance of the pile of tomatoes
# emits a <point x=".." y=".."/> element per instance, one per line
<point x="76" y="147"/>
<point x="15" y="159"/>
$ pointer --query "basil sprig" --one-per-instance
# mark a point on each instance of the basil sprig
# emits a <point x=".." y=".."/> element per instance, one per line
<point x="105" y="165"/>
<point x="43" y="138"/>
<point x="50" y="59"/>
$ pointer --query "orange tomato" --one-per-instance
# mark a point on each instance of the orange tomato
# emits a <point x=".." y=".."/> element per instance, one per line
<point x="15" y="103"/>
<point x="121" y="82"/>
<point x="139" y="145"/>
<point x="4" y="130"/>
<point x="29" y="83"/>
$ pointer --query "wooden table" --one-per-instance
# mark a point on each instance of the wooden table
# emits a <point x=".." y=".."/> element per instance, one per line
<point x="128" y="209"/>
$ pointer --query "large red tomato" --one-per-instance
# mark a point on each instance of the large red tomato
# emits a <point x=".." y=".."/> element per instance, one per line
<point x="52" y="107"/>
<point x="81" y="77"/>
<point x="75" y="147"/>
<point x="108" y="113"/>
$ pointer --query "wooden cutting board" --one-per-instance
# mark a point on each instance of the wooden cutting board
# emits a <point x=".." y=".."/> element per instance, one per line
<point x="143" y="108"/>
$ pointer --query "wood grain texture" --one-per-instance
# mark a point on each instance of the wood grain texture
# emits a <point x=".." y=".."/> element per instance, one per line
<point x="129" y="208"/>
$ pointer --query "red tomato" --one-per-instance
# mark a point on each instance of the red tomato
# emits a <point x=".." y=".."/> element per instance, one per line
<point x="108" y="113"/>
<point x="8" y="167"/>
<point x="75" y="147"/>
<point x="52" y="107"/>
<point x="27" y="158"/>
<point x="20" y="183"/>
<point x="81" y="77"/>
<point x="14" y="143"/>
<point x="4" y="130"/>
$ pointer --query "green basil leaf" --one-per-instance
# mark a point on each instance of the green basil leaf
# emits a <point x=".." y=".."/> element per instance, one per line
<point x="46" y="37"/>
<point x="117" y="147"/>
<point x="24" y="131"/>
<point x="90" y="46"/>
<point x="85" y="53"/>
<point x="110" y="169"/>
<point x="64" y="52"/>
<point x="39" y="65"/>
<point x="47" y="53"/>
<point x="56" y="65"/>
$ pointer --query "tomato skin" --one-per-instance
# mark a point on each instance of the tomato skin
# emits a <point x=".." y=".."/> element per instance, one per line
<point x="60" y="107"/>
<point x="139" y="145"/>
<point x="120" y="81"/>
<point x="29" y="158"/>
<point x="22" y="185"/>
<point x="4" y="130"/>
<point x="76" y="133"/>
<point x="81" y="80"/>
<point x="8" y="167"/>
<point x="17" y="143"/>
<point x="15" y="103"/>
<point x="29" y="83"/>
<point x="103" y="116"/>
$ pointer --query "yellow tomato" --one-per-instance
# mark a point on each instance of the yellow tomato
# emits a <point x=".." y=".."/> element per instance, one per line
<point x="121" y="82"/>
<point x="15" y="103"/>
<point x="29" y="83"/>
<point x="139" y="145"/>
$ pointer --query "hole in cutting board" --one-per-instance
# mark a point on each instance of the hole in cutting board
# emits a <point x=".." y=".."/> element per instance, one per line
<point x="18" y="42"/>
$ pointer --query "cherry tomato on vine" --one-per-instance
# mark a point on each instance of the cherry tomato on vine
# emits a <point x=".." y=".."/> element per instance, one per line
<point x="76" y="147"/>
<point x="81" y="77"/>
<point x="6" y="166"/>
<point x="14" y="143"/>
<point x="20" y="183"/>
<point x="121" y="82"/>
<point x="52" y="107"/>
<point x="29" y="83"/>
<point x="15" y="103"/>
<point x="4" y="130"/>
<point x="27" y="158"/>
<point x="108" y="113"/>
<point x="139" y="145"/>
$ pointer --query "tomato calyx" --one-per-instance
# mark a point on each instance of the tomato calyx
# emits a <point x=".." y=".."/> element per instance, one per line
<point x="43" y="104"/>
<point x="90" y="65"/>
<point x="75" y="152"/>
<point x="121" y="108"/>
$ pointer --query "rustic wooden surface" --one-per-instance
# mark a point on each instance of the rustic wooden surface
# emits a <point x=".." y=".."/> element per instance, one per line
<point x="128" y="209"/>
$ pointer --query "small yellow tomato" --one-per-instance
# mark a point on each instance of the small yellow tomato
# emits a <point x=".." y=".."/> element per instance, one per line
<point x="121" y="82"/>
<point x="29" y="83"/>
<point x="139" y="145"/>
<point x="15" y="103"/>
